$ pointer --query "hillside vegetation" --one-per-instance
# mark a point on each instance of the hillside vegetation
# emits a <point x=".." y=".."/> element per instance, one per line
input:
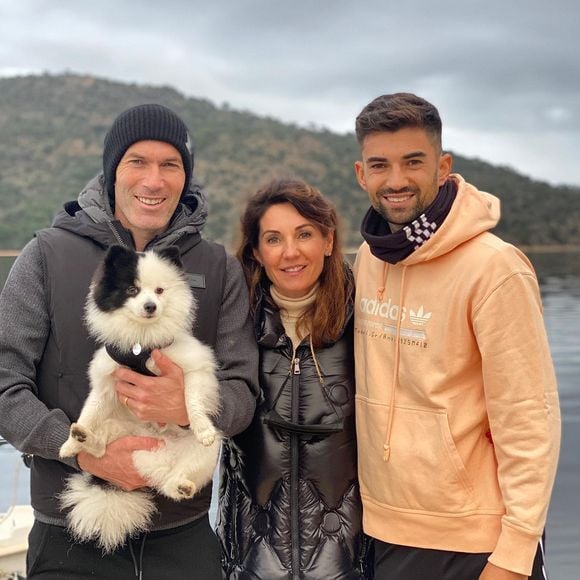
<point x="52" y="129"/>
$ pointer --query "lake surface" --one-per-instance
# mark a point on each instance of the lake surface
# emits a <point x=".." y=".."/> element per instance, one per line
<point x="559" y="276"/>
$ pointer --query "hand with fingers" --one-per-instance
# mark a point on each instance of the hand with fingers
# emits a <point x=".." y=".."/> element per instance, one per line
<point x="160" y="398"/>
<point x="116" y="465"/>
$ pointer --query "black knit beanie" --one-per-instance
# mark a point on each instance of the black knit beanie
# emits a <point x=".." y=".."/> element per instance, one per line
<point x="143" y="123"/>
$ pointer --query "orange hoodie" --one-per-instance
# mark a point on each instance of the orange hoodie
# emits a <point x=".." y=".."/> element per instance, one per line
<point x="458" y="420"/>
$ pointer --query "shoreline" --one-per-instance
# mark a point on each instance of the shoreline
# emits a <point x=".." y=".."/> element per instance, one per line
<point x="532" y="249"/>
<point x="551" y="249"/>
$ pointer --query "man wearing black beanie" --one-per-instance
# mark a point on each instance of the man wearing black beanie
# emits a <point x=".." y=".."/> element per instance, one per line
<point x="145" y="123"/>
<point x="145" y="198"/>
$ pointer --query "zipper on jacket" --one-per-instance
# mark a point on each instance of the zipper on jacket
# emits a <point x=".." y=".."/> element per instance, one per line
<point x="296" y="366"/>
<point x="294" y="474"/>
<point x="117" y="235"/>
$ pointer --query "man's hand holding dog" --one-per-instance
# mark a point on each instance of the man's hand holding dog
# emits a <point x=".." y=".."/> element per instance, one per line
<point x="159" y="399"/>
<point x="116" y="465"/>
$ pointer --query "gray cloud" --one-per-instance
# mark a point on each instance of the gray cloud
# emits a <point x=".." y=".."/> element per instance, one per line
<point x="503" y="74"/>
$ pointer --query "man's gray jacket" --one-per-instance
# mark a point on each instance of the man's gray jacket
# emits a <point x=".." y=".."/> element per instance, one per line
<point x="45" y="349"/>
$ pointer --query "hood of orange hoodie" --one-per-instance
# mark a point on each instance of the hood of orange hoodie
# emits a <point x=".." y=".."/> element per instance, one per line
<point x="472" y="213"/>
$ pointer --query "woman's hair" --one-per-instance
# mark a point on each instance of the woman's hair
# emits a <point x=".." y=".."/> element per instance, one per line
<point x="325" y="319"/>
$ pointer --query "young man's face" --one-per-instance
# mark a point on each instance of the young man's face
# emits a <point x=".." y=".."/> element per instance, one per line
<point x="401" y="172"/>
<point x="148" y="184"/>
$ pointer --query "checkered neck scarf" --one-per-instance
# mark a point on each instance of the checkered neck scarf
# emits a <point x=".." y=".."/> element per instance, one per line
<point x="395" y="247"/>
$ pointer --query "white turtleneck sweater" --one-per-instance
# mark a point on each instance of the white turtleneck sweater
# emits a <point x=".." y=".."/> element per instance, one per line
<point x="291" y="309"/>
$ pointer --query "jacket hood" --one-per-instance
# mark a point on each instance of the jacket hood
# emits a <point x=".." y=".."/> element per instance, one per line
<point x="472" y="213"/>
<point x="91" y="216"/>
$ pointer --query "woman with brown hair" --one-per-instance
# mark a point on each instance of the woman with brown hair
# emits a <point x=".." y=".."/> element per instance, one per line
<point x="289" y="497"/>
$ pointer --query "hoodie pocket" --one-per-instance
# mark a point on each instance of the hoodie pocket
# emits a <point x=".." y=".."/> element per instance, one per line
<point x="424" y="471"/>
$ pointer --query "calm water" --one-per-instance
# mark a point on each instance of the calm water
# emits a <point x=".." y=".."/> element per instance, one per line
<point x="559" y="276"/>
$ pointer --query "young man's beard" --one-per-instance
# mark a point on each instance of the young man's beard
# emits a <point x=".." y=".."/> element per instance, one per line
<point x="422" y="201"/>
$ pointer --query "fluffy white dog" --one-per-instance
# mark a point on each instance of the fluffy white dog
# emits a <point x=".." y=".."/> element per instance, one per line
<point x="139" y="302"/>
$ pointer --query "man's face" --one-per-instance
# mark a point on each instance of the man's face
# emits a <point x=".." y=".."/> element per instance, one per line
<point x="401" y="172"/>
<point x="148" y="184"/>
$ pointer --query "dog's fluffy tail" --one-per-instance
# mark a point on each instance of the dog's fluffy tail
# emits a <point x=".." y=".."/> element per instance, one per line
<point x="104" y="513"/>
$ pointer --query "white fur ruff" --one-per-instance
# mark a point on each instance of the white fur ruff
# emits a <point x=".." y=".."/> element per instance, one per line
<point x="185" y="464"/>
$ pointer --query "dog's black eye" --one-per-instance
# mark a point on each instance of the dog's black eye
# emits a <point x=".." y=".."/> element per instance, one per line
<point x="132" y="291"/>
<point x="158" y="290"/>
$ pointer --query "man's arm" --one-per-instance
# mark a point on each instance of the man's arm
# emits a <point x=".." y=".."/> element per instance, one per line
<point x="522" y="406"/>
<point x="237" y="354"/>
<point x="24" y="328"/>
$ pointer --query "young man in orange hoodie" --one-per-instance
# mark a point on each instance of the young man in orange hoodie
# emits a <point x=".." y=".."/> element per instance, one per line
<point x="458" y="420"/>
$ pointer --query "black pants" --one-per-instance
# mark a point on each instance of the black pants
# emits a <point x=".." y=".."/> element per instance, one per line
<point x="190" y="552"/>
<point x="394" y="562"/>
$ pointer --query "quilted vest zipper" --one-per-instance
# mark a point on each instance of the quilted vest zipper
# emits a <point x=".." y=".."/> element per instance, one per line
<point x="294" y="472"/>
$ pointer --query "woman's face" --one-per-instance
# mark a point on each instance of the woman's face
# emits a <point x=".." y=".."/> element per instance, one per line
<point x="292" y="249"/>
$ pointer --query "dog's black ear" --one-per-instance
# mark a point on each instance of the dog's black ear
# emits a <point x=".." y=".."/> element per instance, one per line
<point x="119" y="259"/>
<point x="117" y="272"/>
<point x="172" y="254"/>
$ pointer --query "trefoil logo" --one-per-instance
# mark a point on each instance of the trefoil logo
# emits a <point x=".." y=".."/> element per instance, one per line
<point x="419" y="318"/>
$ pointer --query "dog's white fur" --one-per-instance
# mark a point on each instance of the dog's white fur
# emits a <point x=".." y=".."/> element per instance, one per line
<point x="185" y="464"/>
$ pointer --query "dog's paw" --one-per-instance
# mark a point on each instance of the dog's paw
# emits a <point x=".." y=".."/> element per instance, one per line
<point x="186" y="490"/>
<point x="204" y="430"/>
<point x="177" y="491"/>
<point x="78" y="432"/>
<point x="76" y="441"/>
<point x="82" y="439"/>
<point x="70" y="448"/>
<point x="206" y="435"/>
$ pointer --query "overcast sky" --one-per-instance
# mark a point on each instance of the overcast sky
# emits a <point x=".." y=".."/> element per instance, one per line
<point x="505" y="74"/>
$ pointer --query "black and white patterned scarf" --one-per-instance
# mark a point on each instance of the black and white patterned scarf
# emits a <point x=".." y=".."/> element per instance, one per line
<point x="394" y="247"/>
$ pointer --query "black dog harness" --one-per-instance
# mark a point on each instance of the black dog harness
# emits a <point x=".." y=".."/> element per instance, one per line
<point x="135" y="359"/>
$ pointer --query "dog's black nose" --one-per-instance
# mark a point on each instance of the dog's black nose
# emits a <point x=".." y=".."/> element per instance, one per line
<point x="150" y="307"/>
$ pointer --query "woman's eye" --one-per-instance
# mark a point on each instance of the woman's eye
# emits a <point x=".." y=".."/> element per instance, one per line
<point x="132" y="291"/>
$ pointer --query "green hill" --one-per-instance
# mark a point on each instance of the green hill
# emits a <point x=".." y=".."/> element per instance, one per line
<point x="52" y="129"/>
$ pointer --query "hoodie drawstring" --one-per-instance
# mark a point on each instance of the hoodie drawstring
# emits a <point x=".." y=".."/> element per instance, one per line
<point x="381" y="289"/>
<point x="395" y="377"/>
<point x="138" y="565"/>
